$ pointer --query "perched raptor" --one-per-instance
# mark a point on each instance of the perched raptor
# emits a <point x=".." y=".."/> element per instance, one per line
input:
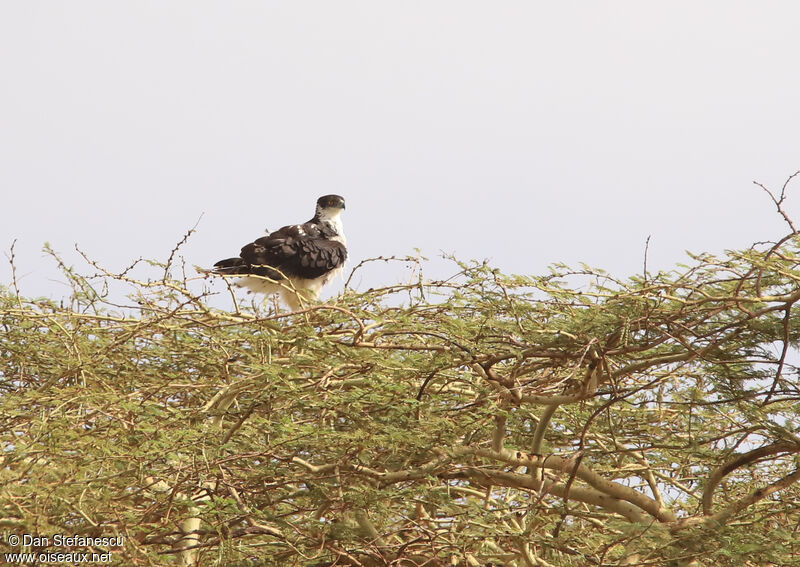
<point x="295" y="261"/>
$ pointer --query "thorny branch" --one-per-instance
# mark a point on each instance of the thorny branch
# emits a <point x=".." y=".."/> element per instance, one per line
<point x="779" y="200"/>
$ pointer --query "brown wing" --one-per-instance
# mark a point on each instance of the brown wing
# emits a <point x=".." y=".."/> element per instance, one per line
<point x="295" y="251"/>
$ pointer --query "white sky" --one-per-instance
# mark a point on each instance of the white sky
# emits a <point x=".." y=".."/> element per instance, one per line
<point x="524" y="132"/>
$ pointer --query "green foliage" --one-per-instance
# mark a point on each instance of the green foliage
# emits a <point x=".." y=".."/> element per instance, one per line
<point x="569" y="419"/>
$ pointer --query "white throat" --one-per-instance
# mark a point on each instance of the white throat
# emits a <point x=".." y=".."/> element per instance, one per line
<point x="334" y="219"/>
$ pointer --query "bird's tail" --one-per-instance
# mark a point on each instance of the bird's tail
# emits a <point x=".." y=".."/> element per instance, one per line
<point x="231" y="267"/>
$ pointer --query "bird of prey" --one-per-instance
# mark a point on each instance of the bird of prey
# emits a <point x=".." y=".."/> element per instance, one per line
<point x="295" y="261"/>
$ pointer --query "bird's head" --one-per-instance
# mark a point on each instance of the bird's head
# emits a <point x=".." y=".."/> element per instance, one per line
<point x="329" y="207"/>
<point x="333" y="204"/>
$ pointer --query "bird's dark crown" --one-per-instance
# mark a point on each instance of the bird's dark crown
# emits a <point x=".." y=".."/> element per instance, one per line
<point x="331" y="202"/>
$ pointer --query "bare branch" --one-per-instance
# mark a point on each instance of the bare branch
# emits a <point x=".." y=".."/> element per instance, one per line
<point x="738" y="461"/>
<point x="178" y="245"/>
<point x="778" y="201"/>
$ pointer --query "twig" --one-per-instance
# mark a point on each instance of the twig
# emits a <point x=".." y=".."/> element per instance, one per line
<point x="178" y="245"/>
<point x="784" y="351"/>
<point x="779" y="200"/>
<point x="415" y="259"/>
<point x="11" y="255"/>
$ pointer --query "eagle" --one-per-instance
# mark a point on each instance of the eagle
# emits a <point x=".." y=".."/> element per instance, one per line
<point x="295" y="261"/>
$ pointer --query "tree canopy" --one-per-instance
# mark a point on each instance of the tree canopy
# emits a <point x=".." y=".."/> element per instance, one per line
<point x="567" y="419"/>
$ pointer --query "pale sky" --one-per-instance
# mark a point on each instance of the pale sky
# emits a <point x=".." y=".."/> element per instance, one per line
<point x="524" y="132"/>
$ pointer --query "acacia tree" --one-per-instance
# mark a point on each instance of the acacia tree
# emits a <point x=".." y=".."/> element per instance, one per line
<point x="559" y="420"/>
